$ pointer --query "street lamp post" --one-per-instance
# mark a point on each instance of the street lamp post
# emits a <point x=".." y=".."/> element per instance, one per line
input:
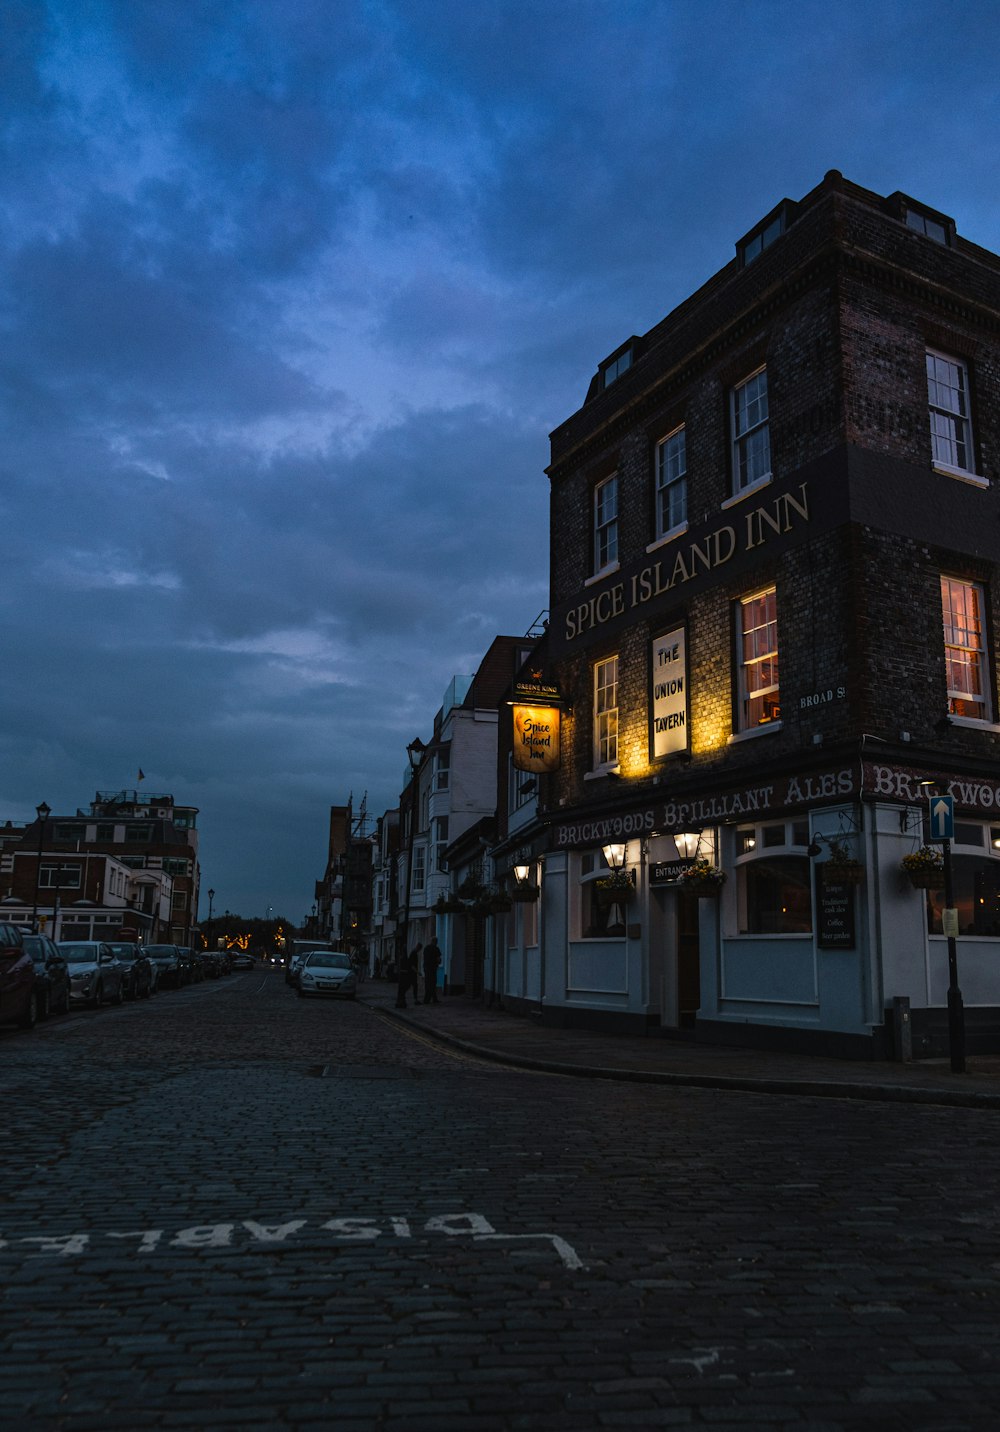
<point x="414" y="752"/>
<point x="956" y="1006"/>
<point x="211" y="897"/>
<point x="43" y="812"/>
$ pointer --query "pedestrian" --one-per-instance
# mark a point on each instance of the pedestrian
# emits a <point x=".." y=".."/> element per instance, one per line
<point x="407" y="976"/>
<point x="432" y="962"/>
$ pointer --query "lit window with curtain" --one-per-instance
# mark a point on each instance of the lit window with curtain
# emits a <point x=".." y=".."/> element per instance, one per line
<point x="965" y="649"/>
<point x="759" y="693"/>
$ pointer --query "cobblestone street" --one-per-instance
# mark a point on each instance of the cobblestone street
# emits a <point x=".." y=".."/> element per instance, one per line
<point x="231" y="1208"/>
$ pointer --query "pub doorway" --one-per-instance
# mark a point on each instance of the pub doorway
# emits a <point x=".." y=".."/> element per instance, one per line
<point x="676" y="954"/>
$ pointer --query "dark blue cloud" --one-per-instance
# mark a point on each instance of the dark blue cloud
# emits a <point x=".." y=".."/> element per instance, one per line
<point x="291" y="296"/>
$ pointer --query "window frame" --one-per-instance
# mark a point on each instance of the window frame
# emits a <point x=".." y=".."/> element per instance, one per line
<point x="617" y="366"/>
<point x="794" y="846"/>
<point x="605" y="715"/>
<point x="986" y="854"/>
<point x="742" y="438"/>
<point x="962" y="439"/>
<point x="604" y="555"/>
<point x="745" y="694"/>
<point x="959" y="654"/>
<point x="665" y="489"/>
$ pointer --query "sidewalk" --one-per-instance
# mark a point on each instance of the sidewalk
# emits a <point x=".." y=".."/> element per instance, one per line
<point x="520" y="1040"/>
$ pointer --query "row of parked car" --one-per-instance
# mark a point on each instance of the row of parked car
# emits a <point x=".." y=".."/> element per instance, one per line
<point x="39" y="976"/>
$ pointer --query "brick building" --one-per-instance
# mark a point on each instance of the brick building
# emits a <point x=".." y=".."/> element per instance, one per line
<point x="126" y="870"/>
<point x="774" y="605"/>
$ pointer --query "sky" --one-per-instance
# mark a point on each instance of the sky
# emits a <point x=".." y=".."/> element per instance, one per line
<point x="292" y="293"/>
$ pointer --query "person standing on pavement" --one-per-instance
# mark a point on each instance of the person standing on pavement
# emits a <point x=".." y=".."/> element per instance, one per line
<point x="432" y="962"/>
<point x="408" y="977"/>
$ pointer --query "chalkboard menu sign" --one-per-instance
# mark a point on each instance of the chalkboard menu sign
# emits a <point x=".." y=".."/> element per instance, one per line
<point x="835" y="903"/>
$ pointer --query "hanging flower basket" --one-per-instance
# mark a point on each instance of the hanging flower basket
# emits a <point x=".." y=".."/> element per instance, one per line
<point x="924" y="868"/>
<point x="524" y="894"/>
<point x="615" y="889"/>
<point x="702" y="879"/>
<point x="500" y="903"/>
<point x="448" y="905"/>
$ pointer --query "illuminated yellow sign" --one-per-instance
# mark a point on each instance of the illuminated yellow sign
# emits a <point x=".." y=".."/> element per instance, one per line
<point x="536" y="738"/>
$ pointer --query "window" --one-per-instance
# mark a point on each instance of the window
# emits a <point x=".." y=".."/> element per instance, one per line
<point x="617" y="367"/>
<point x="924" y="224"/>
<point x="606" y="524"/>
<point x="105" y="832"/>
<point x="179" y="900"/>
<point x="521" y="787"/>
<point x="442" y="768"/>
<point x="606" y="712"/>
<point x="751" y="436"/>
<point x="68" y="832"/>
<point x="419" y="878"/>
<point x="600" y="913"/>
<point x="59" y="877"/>
<point x="176" y="867"/>
<point x="773" y="879"/>
<point x="948" y="398"/>
<point x="964" y="649"/>
<point x="440" y="833"/>
<point x="759" y="697"/>
<point x="762" y="239"/>
<point x="975" y="871"/>
<point x="138" y="833"/>
<point x="671" y="483"/>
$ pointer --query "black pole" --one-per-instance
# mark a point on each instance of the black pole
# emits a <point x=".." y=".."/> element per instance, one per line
<point x="43" y="815"/>
<point x="956" y="1007"/>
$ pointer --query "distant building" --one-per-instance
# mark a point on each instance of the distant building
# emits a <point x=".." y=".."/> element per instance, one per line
<point x="443" y="809"/>
<point x="128" y="869"/>
<point x="775" y="600"/>
<point x="344" y="894"/>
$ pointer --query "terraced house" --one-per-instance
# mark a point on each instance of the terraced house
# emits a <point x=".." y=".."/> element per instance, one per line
<point x="774" y="602"/>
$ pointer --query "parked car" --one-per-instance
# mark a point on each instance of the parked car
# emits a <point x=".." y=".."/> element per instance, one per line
<point x="242" y="960"/>
<point x="18" y="994"/>
<point x="170" y="973"/>
<point x="95" y="972"/>
<point x="139" y="977"/>
<point x="51" y="975"/>
<point x="210" y="963"/>
<point x="191" y="966"/>
<point x="225" y="958"/>
<point x="292" y="969"/>
<point x="327" y="972"/>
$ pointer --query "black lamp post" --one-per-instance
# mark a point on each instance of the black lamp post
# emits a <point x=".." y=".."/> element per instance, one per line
<point x="43" y="812"/>
<point x="211" y="897"/>
<point x="949" y="921"/>
<point x="415" y="751"/>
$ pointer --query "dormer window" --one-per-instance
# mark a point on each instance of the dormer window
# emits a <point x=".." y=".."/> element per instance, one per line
<point x="764" y="235"/>
<point x="924" y="224"/>
<point x="616" y="367"/>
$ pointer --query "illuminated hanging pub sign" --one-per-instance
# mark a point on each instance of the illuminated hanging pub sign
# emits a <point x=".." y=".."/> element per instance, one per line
<point x="668" y="708"/>
<point x="537" y="717"/>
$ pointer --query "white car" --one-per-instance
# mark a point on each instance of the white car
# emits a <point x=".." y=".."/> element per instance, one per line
<point x="95" y="972"/>
<point x="327" y="972"/>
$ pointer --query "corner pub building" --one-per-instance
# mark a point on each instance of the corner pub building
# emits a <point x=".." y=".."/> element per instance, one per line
<point x="774" y="604"/>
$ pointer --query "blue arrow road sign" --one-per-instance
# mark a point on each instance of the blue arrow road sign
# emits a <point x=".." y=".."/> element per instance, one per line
<point x="942" y="814"/>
